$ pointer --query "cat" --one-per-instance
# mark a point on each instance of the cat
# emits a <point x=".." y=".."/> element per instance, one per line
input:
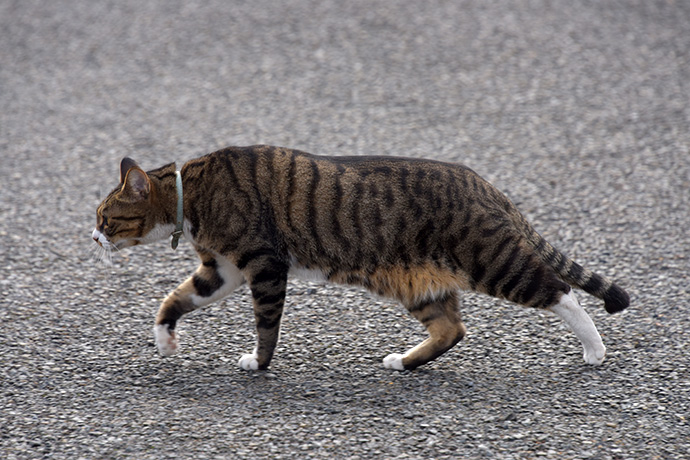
<point x="414" y="230"/>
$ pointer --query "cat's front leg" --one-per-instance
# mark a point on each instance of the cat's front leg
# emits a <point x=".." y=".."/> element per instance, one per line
<point x="268" y="281"/>
<point x="176" y="304"/>
<point x="215" y="278"/>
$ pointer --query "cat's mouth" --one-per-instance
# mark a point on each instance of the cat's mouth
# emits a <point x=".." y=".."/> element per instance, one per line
<point x="100" y="238"/>
<point x="103" y="241"/>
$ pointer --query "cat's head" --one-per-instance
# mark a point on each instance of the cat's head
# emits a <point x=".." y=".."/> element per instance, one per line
<point x="132" y="213"/>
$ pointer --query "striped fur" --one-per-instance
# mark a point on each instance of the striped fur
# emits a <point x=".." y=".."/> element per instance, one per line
<point x="410" y="229"/>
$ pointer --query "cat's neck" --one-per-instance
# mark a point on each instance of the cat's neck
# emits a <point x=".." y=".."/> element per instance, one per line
<point x="164" y="192"/>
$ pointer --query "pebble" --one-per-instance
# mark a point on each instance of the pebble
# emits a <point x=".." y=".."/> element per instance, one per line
<point x="579" y="111"/>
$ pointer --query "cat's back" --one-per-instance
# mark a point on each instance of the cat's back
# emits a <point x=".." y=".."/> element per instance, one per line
<point x="302" y="187"/>
<point x="366" y="206"/>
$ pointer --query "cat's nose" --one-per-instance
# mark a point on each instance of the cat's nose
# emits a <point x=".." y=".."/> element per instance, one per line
<point x="96" y="235"/>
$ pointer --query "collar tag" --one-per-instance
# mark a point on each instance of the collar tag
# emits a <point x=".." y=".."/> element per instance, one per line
<point x="180" y="216"/>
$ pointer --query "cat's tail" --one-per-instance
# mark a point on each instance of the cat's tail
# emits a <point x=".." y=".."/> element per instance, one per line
<point x="614" y="297"/>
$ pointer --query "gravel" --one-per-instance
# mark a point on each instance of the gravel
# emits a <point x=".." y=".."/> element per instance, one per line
<point x="578" y="110"/>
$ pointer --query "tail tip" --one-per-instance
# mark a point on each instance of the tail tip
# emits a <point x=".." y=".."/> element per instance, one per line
<point x="616" y="299"/>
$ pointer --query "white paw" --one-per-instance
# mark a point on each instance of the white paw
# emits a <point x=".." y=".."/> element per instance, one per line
<point x="166" y="341"/>
<point x="595" y="357"/>
<point x="249" y="362"/>
<point x="394" y="361"/>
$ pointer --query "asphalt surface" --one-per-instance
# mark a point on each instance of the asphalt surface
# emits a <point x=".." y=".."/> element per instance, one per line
<point x="579" y="111"/>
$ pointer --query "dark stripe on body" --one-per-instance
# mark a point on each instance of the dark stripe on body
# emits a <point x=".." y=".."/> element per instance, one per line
<point x="234" y="182"/>
<point x="502" y="272"/>
<point x="422" y="238"/>
<point x="520" y="273"/>
<point x="531" y="289"/>
<point x="290" y="193"/>
<point x="356" y="217"/>
<point x="311" y="212"/>
<point x="478" y="270"/>
<point x="336" y="226"/>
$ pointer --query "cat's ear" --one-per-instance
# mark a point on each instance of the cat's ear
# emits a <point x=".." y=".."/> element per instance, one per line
<point x="125" y="165"/>
<point x="134" y="180"/>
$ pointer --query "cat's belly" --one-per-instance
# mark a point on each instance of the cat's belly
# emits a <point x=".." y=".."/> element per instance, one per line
<point x="306" y="274"/>
<point x="421" y="283"/>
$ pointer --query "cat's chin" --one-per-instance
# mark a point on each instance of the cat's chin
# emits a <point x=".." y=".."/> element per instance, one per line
<point x="157" y="233"/>
<point x="123" y="244"/>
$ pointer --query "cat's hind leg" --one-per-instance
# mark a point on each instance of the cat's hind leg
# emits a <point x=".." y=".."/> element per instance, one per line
<point x="442" y="320"/>
<point x="582" y="325"/>
<point x="215" y="278"/>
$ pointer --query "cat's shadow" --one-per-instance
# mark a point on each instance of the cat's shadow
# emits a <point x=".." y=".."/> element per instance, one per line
<point x="323" y="389"/>
<point x="359" y="390"/>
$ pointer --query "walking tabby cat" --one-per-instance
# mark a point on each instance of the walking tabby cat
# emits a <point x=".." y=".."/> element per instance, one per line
<point x="414" y="230"/>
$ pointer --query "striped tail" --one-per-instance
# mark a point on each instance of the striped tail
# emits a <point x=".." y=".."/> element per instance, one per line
<point x="614" y="297"/>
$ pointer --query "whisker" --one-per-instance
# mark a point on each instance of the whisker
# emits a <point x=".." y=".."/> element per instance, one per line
<point x="94" y="253"/>
<point x="102" y="255"/>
